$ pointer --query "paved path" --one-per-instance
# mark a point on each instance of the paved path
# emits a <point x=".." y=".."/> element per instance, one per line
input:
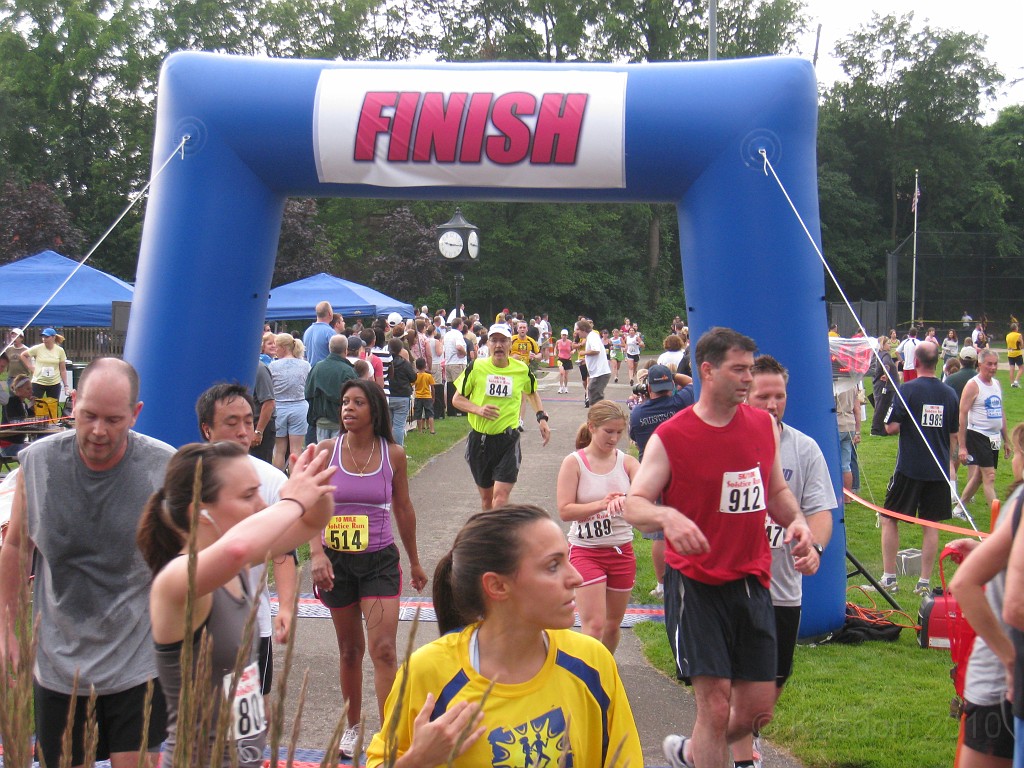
<point x="444" y="496"/>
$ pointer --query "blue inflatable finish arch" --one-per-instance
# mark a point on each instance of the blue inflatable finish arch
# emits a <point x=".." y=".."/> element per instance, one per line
<point x="689" y="134"/>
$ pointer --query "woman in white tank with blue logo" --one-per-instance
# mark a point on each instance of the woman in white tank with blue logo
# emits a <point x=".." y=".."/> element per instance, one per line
<point x="592" y="486"/>
<point x="356" y="566"/>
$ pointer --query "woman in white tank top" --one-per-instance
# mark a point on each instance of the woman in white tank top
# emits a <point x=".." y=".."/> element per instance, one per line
<point x="591" y="494"/>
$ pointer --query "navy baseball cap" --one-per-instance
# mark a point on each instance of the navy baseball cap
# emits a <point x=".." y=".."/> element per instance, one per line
<point x="659" y="379"/>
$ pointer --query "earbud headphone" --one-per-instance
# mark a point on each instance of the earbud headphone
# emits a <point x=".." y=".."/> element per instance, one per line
<point x="209" y="517"/>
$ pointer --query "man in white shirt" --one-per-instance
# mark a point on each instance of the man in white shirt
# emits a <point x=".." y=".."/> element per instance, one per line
<point x="225" y="413"/>
<point x="597" y="363"/>
<point x="906" y="354"/>
<point x="982" y="428"/>
<point x="455" y="359"/>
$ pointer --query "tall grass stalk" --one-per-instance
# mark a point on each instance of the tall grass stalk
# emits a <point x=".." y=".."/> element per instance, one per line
<point x="297" y="725"/>
<point x="147" y="716"/>
<point x="469" y="727"/>
<point x="390" y="729"/>
<point x="64" y="759"/>
<point x="16" y="722"/>
<point x="276" y="706"/>
<point x="330" y="758"/>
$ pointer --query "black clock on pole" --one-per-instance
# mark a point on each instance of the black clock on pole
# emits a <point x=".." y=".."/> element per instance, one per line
<point x="458" y="243"/>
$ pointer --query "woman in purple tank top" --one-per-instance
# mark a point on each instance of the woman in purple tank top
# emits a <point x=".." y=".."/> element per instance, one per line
<point x="356" y="565"/>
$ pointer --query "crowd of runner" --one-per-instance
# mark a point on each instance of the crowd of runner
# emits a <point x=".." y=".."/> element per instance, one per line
<point x="738" y="505"/>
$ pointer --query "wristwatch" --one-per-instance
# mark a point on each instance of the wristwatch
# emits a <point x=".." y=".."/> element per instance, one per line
<point x="818" y="548"/>
<point x="541" y="416"/>
<point x="259" y="432"/>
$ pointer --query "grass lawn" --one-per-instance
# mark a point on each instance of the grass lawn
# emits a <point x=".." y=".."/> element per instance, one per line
<point x="877" y="705"/>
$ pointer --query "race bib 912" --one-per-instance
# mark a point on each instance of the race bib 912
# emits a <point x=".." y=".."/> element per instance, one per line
<point x="742" y="492"/>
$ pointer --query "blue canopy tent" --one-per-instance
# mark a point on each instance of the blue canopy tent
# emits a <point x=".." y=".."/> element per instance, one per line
<point x="85" y="301"/>
<point x="298" y="300"/>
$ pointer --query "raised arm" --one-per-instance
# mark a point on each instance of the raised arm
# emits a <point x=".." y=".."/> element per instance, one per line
<point x="303" y="509"/>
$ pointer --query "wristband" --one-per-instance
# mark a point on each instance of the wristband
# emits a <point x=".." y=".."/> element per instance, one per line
<point x="541" y="416"/>
<point x="301" y="505"/>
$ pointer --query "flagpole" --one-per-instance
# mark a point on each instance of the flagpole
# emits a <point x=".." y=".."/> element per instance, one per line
<point x="913" y="278"/>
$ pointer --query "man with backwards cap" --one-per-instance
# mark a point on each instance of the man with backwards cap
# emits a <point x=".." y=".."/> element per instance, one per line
<point x="490" y="391"/>
<point x="663" y="402"/>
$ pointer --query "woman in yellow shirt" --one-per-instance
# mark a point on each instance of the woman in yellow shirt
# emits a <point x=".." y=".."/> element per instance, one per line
<point x="48" y="365"/>
<point x="505" y="603"/>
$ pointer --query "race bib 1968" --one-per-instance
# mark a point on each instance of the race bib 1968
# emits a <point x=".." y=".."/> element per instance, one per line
<point x="348" y="533"/>
<point x="499" y="386"/>
<point x="247" y="714"/>
<point x="743" y="492"/>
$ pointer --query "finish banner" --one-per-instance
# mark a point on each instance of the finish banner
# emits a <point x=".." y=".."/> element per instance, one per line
<point x="428" y="128"/>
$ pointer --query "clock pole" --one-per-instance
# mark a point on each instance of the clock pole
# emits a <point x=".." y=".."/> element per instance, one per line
<point x="458" y="286"/>
<point x="458" y="243"/>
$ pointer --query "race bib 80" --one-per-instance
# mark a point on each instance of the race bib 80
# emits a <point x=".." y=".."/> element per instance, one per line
<point x="247" y="714"/>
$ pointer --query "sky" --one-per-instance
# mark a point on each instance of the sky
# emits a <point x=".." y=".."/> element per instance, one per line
<point x="1001" y="21"/>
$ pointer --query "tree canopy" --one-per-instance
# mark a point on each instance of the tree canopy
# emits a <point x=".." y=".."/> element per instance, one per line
<point x="78" y="82"/>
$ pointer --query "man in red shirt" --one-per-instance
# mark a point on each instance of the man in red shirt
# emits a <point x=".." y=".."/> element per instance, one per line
<point x="716" y="468"/>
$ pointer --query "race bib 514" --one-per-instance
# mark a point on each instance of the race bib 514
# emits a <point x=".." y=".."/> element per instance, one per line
<point x="348" y="533"/>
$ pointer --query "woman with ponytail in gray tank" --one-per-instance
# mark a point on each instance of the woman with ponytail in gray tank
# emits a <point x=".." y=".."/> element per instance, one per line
<point x="235" y="529"/>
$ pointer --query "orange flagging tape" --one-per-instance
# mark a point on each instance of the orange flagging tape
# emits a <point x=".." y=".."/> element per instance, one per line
<point x="906" y="518"/>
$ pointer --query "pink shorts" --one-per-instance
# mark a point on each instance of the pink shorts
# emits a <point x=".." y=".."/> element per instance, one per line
<point x="615" y="565"/>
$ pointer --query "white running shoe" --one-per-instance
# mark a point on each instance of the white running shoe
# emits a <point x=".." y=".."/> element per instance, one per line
<point x="347" y="747"/>
<point x="674" y="748"/>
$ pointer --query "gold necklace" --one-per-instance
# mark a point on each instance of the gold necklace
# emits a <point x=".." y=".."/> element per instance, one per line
<point x="352" y="453"/>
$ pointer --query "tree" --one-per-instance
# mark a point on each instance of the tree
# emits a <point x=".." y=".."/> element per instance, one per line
<point x="303" y="248"/>
<point x="32" y="219"/>
<point x="408" y="261"/>
<point x="76" y="79"/>
<point x="912" y="101"/>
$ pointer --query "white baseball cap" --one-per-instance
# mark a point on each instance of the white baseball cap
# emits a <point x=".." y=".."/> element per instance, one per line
<point x="500" y="328"/>
<point x="394" y="319"/>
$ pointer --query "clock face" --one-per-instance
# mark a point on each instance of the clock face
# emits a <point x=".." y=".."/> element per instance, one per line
<point x="450" y="244"/>
<point x="473" y="245"/>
